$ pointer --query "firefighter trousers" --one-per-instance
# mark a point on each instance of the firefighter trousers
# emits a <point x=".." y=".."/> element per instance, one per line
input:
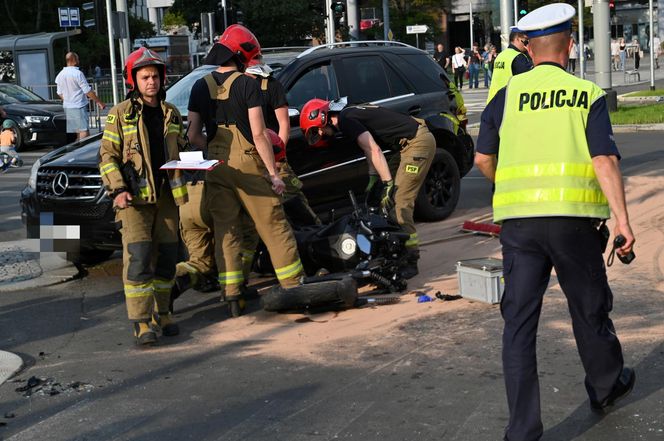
<point x="241" y="183"/>
<point x="414" y="163"/>
<point x="149" y="254"/>
<point x="196" y="233"/>
<point x="249" y="234"/>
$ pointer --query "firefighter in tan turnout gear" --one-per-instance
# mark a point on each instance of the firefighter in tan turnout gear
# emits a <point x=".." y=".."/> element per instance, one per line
<point x="228" y="104"/>
<point x="141" y="134"/>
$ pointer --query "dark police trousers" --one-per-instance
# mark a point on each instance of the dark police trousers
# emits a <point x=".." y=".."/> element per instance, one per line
<point x="531" y="248"/>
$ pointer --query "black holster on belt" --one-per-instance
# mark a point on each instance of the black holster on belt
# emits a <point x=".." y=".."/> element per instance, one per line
<point x="604" y="234"/>
<point x="130" y="177"/>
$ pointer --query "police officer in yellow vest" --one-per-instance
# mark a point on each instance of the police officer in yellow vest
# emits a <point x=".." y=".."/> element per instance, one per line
<point x="512" y="61"/>
<point x="228" y="104"/>
<point x="551" y="196"/>
<point x="141" y="134"/>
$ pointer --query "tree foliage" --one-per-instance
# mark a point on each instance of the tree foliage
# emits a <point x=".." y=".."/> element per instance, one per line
<point x="275" y="22"/>
<point x="28" y="17"/>
<point x="280" y="23"/>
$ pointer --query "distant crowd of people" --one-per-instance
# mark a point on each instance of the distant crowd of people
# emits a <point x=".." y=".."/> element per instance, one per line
<point x="468" y="66"/>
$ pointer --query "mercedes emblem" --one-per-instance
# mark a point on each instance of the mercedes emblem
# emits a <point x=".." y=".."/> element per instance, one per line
<point x="60" y="183"/>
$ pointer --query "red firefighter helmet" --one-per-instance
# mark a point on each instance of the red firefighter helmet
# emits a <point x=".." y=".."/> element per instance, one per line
<point x="314" y="116"/>
<point x="142" y="57"/>
<point x="277" y="145"/>
<point x="236" y="41"/>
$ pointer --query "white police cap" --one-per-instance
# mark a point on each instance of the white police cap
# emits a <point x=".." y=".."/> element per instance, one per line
<point x="549" y="19"/>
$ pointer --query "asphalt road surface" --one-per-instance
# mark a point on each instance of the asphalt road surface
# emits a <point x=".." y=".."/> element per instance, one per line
<point x="409" y="371"/>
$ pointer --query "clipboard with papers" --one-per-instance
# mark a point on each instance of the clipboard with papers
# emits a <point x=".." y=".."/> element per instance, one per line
<point x="191" y="161"/>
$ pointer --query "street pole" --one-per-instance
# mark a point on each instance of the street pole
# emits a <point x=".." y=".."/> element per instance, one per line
<point x="651" y="44"/>
<point x="121" y="6"/>
<point x="516" y="13"/>
<point x="582" y="58"/>
<point x="353" y="20"/>
<point x="602" y="32"/>
<point x="471" y="24"/>
<point x="386" y="20"/>
<point x="505" y="22"/>
<point x="223" y="5"/>
<point x="329" y="22"/>
<point x="111" y="46"/>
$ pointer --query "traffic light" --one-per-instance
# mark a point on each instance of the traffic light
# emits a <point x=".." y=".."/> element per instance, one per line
<point x="612" y="8"/>
<point x="338" y="12"/>
<point x="522" y="6"/>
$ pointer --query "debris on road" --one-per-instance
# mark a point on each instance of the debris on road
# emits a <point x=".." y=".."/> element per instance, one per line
<point x="49" y="387"/>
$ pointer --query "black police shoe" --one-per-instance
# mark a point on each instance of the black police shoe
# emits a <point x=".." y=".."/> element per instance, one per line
<point x="621" y="389"/>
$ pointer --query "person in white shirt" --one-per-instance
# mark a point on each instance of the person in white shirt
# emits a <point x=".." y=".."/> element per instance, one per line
<point x="74" y="91"/>
<point x="459" y="65"/>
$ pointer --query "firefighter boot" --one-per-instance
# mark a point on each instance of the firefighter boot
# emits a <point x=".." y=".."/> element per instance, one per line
<point x="144" y="334"/>
<point x="166" y="323"/>
<point x="409" y="267"/>
<point x="236" y="305"/>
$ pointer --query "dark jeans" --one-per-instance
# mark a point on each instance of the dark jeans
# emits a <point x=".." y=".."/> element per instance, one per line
<point x="458" y="78"/>
<point x="572" y="65"/>
<point x="531" y="248"/>
<point x="474" y="75"/>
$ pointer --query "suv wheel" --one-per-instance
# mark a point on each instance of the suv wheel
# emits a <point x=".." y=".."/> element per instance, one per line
<point x="439" y="193"/>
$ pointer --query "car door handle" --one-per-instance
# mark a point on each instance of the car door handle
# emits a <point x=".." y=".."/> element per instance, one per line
<point x="414" y="110"/>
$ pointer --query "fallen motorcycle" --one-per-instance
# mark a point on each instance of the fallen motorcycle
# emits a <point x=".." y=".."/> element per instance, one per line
<point x="358" y="249"/>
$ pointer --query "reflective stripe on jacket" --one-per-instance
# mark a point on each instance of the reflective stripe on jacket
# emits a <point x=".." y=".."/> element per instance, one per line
<point x="126" y="139"/>
<point x="544" y="165"/>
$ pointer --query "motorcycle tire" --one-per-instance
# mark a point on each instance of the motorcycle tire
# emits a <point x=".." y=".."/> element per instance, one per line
<point x="332" y="294"/>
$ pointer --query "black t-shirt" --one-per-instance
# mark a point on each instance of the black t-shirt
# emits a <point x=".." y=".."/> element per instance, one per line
<point x="153" y="119"/>
<point x="440" y="57"/>
<point x="245" y="94"/>
<point x="273" y="98"/>
<point x="386" y="126"/>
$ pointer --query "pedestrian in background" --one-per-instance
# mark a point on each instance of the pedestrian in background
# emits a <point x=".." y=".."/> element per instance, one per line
<point x="486" y="64"/>
<point x="441" y="56"/>
<point x="74" y="91"/>
<point x="622" y="54"/>
<point x="573" y="55"/>
<point x="657" y="47"/>
<point x="474" y="66"/>
<point x="638" y="53"/>
<point x="459" y="66"/>
<point x="142" y="133"/>
<point x="557" y="178"/>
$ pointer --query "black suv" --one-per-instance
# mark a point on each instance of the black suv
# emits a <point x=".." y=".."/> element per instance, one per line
<point x="392" y="75"/>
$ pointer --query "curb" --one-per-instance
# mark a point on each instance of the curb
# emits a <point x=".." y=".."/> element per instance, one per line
<point x="9" y="365"/>
<point x="24" y="266"/>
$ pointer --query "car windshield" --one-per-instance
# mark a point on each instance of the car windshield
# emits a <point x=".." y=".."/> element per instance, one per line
<point x="11" y="94"/>
<point x="178" y="93"/>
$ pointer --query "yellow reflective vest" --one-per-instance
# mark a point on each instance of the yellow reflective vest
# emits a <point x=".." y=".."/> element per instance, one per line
<point x="126" y="139"/>
<point x="544" y="165"/>
<point x="502" y="71"/>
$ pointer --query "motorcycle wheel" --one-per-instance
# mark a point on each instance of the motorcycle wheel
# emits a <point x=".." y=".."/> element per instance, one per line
<point x="331" y="294"/>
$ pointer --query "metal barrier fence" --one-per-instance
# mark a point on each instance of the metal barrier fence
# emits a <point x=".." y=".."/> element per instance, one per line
<point x="103" y="88"/>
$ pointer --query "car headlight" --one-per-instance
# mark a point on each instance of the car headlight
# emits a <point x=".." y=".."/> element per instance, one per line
<point x="36" y="119"/>
<point x="32" y="180"/>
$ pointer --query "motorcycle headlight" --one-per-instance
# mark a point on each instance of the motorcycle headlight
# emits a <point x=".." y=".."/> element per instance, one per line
<point x="32" y="180"/>
<point x="36" y="119"/>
